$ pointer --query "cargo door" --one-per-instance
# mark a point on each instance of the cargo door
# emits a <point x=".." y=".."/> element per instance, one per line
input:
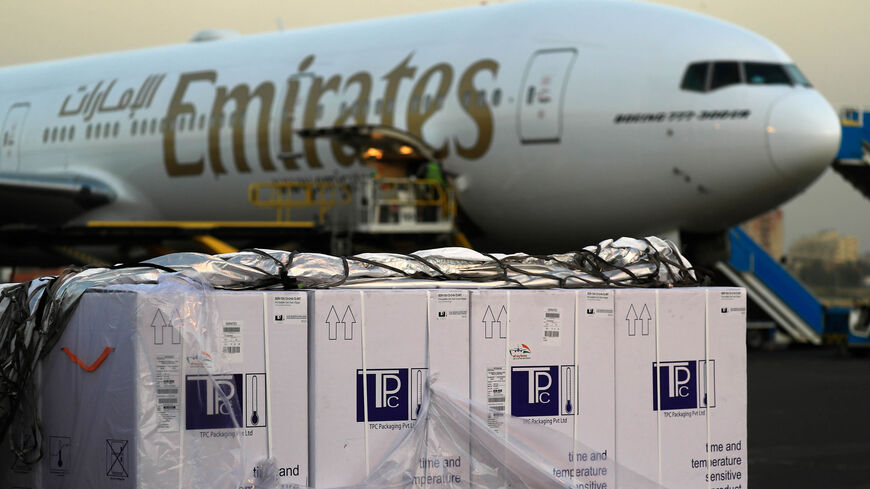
<point x="10" y="138"/>
<point x="542" y="95"/>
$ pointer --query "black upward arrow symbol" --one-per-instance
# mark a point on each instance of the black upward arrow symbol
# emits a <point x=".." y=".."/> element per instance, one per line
<point x="487" y="324"/>
<point x="332" y="323"/>
<point x="501" y="329"/>
<point x="645" y="317"/>
<point x="348" y="332"/>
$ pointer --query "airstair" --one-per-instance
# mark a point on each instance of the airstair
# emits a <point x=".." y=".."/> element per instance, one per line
<point x="853" y="159"/>
<point x="785" y="300"/>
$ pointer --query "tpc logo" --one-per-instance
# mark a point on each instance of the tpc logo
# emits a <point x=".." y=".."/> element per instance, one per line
<point x="390" y="392"/>
<point x="214" y="401"/>
<point x="535" y="391"/>
<point x="684" y="385"/>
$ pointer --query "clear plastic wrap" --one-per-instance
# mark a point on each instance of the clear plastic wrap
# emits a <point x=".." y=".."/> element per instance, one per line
<point x="451" y="424"/>
<point x="109" y="357"/>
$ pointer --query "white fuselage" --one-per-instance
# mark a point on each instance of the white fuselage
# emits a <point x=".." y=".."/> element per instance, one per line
<point x="564" y="122"/>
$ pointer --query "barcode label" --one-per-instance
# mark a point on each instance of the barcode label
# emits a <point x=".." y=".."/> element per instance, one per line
<point x="496" y="399"/>
<point x="552" y="327"/>
<point x="232" y="341"/>
<point x="166" y="379"/>
<point x="497" y="408"/>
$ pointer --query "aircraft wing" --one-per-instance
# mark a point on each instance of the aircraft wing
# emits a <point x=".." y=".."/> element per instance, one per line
<point x="49" y="199"/>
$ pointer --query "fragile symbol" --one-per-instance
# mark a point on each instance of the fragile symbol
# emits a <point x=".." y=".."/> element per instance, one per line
<point x="633" y="320"/>
<point x="159" y="324"/>
<point x="333" y="323"/>
<point x="116" y="458"/>
<point x="490" y="321"/>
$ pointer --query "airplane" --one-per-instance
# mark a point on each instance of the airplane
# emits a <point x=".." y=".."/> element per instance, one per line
<point x="560" y="122"/>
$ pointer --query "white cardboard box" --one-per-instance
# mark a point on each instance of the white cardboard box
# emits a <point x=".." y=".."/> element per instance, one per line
<point x="681" y="386"/>
<point x="368" y="367"/>
<point x="523" y="363"/>
<point x="595" y="428"/>
<point x="726" y="345"/>
<point x="161" y="409"/>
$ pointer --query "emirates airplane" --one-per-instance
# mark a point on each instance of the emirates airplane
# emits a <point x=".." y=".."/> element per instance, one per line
<point x="562" y="122"/>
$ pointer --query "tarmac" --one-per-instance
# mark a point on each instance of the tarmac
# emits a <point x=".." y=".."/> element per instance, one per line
<point x="809" y="419"/>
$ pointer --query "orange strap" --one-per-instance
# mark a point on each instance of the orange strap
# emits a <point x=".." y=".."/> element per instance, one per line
<point x="93" y="366"/>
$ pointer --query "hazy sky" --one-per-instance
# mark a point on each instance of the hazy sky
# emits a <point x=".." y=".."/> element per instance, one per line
<point x="827" y="39"/>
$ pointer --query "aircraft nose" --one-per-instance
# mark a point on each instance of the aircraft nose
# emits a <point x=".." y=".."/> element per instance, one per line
<point x="803" y="134"/>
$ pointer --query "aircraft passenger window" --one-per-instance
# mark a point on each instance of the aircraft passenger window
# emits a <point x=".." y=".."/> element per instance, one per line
<point x="88" y="132"/>
<point x="179" y="123"/>
<point x="63" y="133"/>
<point x="201" y="122"/>
<point x="496" y="97"/>
<point x="797" y="76"/>
<point x="725" y="73"/>
<point x="163" y="125"/>
<point x="695" y="78"/>
<point x="466" y="99"/>
<point x="481" y="98"/>
<point x="72" y="132"/>
<point x="54" y="135"/>
<point x="153" y="125"/>
<point x="388" y="106"/>
<point x="97" y="131"/>
<point x="133" y="127"/>
<point x="143" y="127"/>
<point x="530" y="96"/>
<point x="44" y="137"/>
<point x="378" y="104"/>
<point x="766" y="74"/>
<point x="319" y="111"/>
<point x="190" y="125"/>
<point x="415" y="104"/>
<point x="116" y="129"/>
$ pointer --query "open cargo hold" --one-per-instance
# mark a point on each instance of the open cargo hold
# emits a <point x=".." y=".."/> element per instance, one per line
<point x="587" y="388"/>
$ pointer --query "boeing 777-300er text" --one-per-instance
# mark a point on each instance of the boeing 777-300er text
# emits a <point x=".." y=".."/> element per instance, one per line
<point x="561" y="122"/>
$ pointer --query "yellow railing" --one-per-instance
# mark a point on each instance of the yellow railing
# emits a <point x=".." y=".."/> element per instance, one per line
<point x="417" y="192"/>
<point x="286" y="196"/>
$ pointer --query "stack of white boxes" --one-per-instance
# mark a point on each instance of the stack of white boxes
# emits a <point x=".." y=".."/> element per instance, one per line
<point x="627" y="387"/>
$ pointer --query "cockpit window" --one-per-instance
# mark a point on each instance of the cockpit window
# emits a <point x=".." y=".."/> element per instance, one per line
<point x="695" y="78"/>
<point x="797" y="76"/>
<point x="725" y="73"/>
<point x="766" y="74"/>
<point x="706" y="76"/>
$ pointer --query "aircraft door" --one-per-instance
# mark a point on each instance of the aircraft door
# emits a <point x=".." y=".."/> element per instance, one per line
<point x="10" y="138"/>
<point x="542" y="95"/>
